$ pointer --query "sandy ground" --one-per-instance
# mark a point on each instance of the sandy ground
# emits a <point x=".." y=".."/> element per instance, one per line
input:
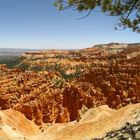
<point x="14" y="125"/>
<point x="94" y="123"/>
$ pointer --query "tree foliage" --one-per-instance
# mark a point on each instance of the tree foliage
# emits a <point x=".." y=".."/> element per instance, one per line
<point x="127" y="10"/>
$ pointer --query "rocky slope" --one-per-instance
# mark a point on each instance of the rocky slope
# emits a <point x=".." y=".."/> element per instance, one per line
<point x="100" y="123"/>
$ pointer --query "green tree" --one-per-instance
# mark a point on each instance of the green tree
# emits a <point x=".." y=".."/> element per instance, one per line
<point x="127" y="10"/>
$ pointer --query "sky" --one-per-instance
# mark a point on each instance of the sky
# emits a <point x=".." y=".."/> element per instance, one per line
<point x="37" y="24"/>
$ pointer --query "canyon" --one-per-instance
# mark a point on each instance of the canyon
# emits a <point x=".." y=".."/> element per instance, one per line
<point x="71" y="94"/>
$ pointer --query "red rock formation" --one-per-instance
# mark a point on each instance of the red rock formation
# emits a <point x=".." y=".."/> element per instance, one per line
<point x="105" y="79"/>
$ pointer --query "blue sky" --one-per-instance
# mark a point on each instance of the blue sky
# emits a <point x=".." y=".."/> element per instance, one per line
<point x="38" y="24"/>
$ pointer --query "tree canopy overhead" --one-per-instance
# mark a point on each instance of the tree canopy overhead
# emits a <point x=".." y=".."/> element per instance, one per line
<point x="127" y="10"/>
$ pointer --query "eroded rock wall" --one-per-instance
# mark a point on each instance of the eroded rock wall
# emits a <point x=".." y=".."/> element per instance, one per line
<point x="46" y="97"/>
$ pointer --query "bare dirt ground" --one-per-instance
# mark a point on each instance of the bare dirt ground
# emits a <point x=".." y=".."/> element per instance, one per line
<point x="96" y="122"/>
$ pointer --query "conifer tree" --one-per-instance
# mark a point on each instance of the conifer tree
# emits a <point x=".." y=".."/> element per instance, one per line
<point x="127" y="10"/>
